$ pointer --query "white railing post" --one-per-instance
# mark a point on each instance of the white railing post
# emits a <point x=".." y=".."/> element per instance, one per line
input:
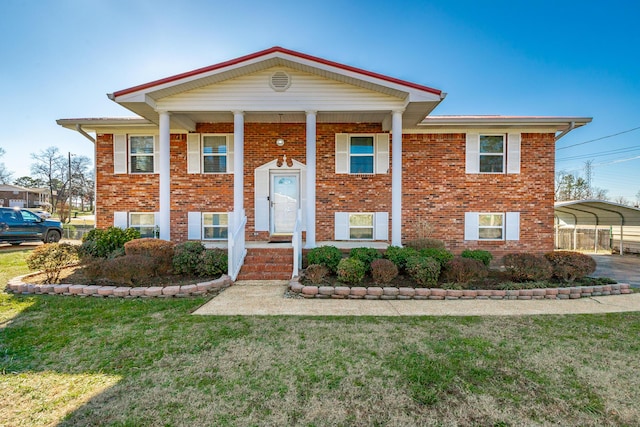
<point x="296" y="243"/>
<point x="236" y="246"/>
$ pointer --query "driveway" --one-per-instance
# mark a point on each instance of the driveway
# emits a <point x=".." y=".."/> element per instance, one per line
<point x="624" y="269"/>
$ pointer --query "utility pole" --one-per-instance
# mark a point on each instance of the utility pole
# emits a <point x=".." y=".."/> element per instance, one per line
<point x="588" y="172"/>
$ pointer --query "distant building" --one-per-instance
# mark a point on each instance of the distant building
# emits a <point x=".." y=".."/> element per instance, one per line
<point x="15" y="196"/>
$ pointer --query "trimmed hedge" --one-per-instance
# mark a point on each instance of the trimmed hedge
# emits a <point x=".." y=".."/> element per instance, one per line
<point x="105" y="243"/>
<point x="383" y="271"/>
<point x="425" y="271"/>
<point x="366" y="255"/>
<point x="329" y="256"/>
<point x="570" y="266"/>
<point x="481" y="255"/>
<point x="351" y="271"/>
<point x="464" y="270"/>
<point x="399" y="256"/>
<point x="523" y="267"/>
<point x="160" y="251"/>
<point x="316" y="273"/>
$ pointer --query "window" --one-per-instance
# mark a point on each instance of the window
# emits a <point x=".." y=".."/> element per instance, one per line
<point x="145" y="223"/>
<point x="141" y="154"/>
<point x="361" y="154"/>
<point x="214" y="154"/>
<point x="361" y="226"/>
<point x="492" y="153"/>
<point x="215" y="226"/>
<point x="490" y="226"/>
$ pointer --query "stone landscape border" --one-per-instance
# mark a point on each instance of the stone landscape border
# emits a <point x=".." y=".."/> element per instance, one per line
<point x="406" y="293"/>
<point x="18" y="286"/>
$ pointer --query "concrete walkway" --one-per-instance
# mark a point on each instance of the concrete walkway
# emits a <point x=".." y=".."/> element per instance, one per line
<point x="267" y="298"/>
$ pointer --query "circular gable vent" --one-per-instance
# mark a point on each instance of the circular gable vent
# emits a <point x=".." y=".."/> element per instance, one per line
<point x="280" y="81"/>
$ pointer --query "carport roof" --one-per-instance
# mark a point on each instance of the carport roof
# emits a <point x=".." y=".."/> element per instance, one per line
<point x="597" y="212"/>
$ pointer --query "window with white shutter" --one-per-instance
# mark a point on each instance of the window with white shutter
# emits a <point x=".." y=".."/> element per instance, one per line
<point x="492" y="153"/>
<point x="362" y="153"/>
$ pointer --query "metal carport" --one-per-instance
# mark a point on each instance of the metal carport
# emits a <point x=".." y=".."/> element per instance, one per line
<point x="596" y="214"/>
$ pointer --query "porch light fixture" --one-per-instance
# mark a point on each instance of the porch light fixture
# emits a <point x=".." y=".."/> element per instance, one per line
<point x="279" y="142"/>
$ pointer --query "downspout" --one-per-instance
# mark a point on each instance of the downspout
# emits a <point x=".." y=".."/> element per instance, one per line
<point x="84" y="133"/>
<point x="571" y="127"/>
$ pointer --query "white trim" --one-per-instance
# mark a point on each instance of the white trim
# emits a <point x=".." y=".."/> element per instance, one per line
<point x="194" y="225"/>
<point x="120" y="153"/>
<point x="381" y="226"/>
<point x="472" y="153"/>
<point x="341" y="226"/>
<point x="342" y="153"/>
<point x="193" y="153"/>
<point x="120" y="219"/>
<point x="471" y="226"/>
<point x="513" y="152"/>
<point x="512" y="226"/>
<point x="381" y="153"/>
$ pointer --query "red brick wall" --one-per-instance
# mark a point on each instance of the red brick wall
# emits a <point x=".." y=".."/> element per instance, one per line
<point x="436" y="189"/>
<point x="437" y="192"/>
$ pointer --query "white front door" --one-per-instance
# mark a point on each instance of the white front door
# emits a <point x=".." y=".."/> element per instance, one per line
<point x="285" y="202"/>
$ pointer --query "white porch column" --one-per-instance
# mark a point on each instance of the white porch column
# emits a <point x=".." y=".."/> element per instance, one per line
<point x="164" y="214"/>
<point x="238" y="162"/>
<point x="311" y="180"/>
<point x="396" y="179"/>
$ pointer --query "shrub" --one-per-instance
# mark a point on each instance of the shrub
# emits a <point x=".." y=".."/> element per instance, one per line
<point x="213" y="263"/>
<point x="483" y="256"/>
<point x="350" y="271"/>
<point x="570" y="266"/>
<point x="329" y="256"/>
<point x="186" y="258"/>
<point x="441" y="255"/>
<point x="426" y="243"/>
<point x="51" y="258"/>
<point x="524" y="267"/>
<point x="160" y="251"/>
<point x="366" y="255"/>
<point x="129" y="270"/>
<point x="464" y="270"/>
<point x="399" y="256"/>
<point x="425" y="271"/>
<point x="101" y="243"/>
<point x="316" y="273"/>
<point x="383" y="271"/>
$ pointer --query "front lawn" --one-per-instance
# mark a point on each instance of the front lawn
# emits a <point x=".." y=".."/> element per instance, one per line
<point x="146" y="362"/>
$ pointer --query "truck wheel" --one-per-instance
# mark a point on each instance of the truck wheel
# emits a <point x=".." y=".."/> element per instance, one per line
<point x="52" y="236"/>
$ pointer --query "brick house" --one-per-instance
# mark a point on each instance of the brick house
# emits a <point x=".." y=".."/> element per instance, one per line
<point x="16" y="196"/>
<point x="279" y="143"/>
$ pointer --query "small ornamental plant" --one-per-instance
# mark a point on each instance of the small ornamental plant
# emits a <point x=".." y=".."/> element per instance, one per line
<point x="329" y="256"/>
<point x="383" y="271"/>
<point x="366" y="255"/>
<point x="51" y="258"/>
<point x="464" y="270"/>
<point x="350" y="271"/>
<point x="524" y="267"/>
<point x="569" y="266"/>
<point x="481" y="255"/>
<point x="424" y="270"/>
<point x="316" y="273"/>
<point x="399" y="256"/>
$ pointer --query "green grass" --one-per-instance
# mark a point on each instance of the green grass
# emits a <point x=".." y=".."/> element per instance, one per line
<point x="148" y="362"/>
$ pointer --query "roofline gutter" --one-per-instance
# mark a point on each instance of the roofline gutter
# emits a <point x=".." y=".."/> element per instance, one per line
<point x="571" y="127"/>
<point x="84" y="133"/>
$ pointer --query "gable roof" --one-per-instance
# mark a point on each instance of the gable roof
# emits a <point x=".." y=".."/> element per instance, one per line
<point x="274" y="52"/>
<point x="416" y="100"/>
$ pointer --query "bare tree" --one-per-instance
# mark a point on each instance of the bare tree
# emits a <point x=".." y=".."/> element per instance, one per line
<point x="621" y="200"/>
<point x="50" y="167"/>
<point x="5" y="174"/>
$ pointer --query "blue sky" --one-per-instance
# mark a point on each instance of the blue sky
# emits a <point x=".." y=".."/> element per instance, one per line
<point x="565" y="58"/>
